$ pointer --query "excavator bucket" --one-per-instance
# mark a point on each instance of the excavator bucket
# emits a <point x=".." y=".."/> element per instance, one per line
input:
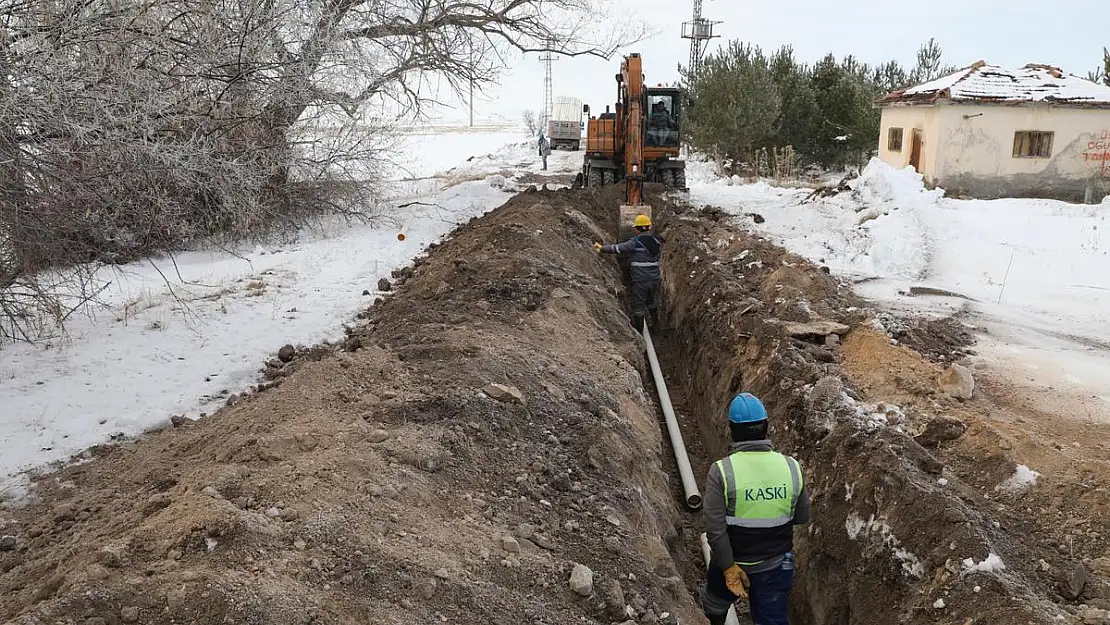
<point x="627" y="214"/>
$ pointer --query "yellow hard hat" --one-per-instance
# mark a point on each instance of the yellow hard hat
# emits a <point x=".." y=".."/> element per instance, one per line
<point x="642" y="220"/>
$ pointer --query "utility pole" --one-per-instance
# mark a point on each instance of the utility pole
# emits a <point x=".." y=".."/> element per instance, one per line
<point x="547" y="59"/>
<point x="699" y="31"/>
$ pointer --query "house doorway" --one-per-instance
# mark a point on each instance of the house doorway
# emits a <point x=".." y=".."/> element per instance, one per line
<point x="915" y="150"/>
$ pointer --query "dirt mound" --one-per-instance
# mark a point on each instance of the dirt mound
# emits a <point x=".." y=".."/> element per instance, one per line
<point x="941" y="340"/>
<point x="892" y="524"/>
<point x="1055" y="519"/>
<point x="387" y="480"/>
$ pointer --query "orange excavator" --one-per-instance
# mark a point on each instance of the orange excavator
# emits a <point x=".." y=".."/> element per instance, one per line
<point x="638" y="142"/>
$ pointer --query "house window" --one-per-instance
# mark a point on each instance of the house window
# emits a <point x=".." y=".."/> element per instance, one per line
<point x="1032" y="144"/>
<point x="894" y="139"/>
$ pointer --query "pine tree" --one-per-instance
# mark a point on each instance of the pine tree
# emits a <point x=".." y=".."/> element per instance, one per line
<point x="798" y="113"/>
<point x="928" y="62"/>
<point x="738" y="103"/>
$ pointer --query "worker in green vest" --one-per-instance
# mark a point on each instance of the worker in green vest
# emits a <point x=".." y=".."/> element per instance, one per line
<point x="753" y="499"/>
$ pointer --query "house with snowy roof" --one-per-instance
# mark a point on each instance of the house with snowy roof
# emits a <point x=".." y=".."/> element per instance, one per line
<point x="989" y="132"/>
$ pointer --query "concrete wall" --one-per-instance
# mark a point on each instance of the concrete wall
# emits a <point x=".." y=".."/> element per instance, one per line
<point x="977" y="158"/>
<point x="968" y="149"/>
<point x="924" y="118"/>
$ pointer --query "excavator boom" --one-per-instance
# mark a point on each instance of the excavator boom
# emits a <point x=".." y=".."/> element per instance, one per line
<point x="632" y="75"/>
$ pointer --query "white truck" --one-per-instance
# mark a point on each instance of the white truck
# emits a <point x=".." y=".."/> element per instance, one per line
<point x="564" y="129"/>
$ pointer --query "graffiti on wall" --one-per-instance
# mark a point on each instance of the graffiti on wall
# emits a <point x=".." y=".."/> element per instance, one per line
<point x="1098" y="151"/>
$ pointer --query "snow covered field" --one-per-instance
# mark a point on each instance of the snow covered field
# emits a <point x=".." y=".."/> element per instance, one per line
<point x="165" y="346"/>
<point x="1034" y="274"/>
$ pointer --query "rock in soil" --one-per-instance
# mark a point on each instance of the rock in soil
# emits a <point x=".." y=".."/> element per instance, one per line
<point x="510" y="544"/>
<point x="7" y="543"/>
<point x="614" y="599"/>
<point x="384" y="285"/>
<point x="1072" y="581"/>
<point x="1093" y="616"/>
<point x="543" y="541"/>
<point x="939" y="430"/>
<point x="582" y="580"/>
<point x="814" y="330"/>
<point x="286" y="353"/>
<point x="525" y="530"/>
<point x="504" y="393"/>
<point x="957" y="381"/>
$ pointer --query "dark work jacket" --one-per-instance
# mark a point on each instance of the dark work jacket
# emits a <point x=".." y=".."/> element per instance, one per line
<point x="643" y="252"/>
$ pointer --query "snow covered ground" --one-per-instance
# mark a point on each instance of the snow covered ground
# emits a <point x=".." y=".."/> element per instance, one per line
<point x="179" y="344"/>
<point x="1035" y="273"/>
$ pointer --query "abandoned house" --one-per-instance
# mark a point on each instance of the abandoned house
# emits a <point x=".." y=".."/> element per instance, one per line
<point x="990" y="132"/>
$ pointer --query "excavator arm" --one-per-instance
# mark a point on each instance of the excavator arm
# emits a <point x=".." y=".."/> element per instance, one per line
<point x="630" y="120"/>
<point x="632" y="81"/>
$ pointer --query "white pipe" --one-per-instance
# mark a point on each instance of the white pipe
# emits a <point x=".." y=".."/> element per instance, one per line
<point x="731" y="619"/>
<point x="689" y="485"/>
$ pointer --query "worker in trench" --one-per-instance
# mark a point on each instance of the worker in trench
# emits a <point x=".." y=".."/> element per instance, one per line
<point x="753" y="499"/>
<point x="643" y="251"/>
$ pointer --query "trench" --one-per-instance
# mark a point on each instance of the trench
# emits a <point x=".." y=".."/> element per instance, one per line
<point x="881" y="544"/>
<point x="391" y="448"/>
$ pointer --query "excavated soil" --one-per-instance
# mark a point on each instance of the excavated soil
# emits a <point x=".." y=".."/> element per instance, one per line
<point x="384" y="480"/>
<point x="893" y="521"/>
<point x="379" y="483"/>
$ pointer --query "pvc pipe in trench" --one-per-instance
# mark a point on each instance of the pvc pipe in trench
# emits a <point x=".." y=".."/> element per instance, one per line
<point x="731" y="619"/>
<point x="689" y="485"/>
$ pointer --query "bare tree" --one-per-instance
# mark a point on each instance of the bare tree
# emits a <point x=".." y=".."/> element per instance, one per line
<point x="531" y="122"/>
<point x="134" y="126"/>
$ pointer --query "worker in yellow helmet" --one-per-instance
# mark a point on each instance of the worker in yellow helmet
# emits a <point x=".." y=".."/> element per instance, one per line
<point x="643" y="252"/>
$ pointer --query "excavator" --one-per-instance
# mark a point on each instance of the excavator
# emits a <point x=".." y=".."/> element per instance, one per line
<point x="638" y="142"/>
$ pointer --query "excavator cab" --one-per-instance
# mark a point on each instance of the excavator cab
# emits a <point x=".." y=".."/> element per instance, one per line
<point x="661" y="126"/>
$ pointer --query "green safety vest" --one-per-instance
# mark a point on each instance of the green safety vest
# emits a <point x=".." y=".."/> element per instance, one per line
<point x="761" y="488"/>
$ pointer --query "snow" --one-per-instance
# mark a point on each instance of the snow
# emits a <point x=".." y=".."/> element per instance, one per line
<point x="1022" y="478"/>
<point x="1034" y="274"/>
<point x="177" y="336"/>
<point x="1032" y="83"/>
<point x="992" y="564"/>
<point x="880" y="532"/>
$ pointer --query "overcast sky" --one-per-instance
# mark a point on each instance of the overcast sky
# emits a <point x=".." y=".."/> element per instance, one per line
<point x="1066" y="33"/>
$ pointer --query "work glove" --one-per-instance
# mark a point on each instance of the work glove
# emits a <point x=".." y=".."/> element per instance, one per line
<point x="737" y="581"/>
<point x="597" y="247"/>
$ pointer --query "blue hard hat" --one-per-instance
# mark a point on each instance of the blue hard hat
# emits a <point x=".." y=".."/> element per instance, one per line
<point x="746" y="408"/>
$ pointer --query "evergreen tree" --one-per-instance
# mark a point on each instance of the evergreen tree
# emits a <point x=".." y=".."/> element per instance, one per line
<point x="747" y="102"/>
<point x="737" y="102"/>
<point x="890" y="76"/>
<point x="1106" y="67"/>
<point x="928" y="63"/>
<point x="798" y="112"/>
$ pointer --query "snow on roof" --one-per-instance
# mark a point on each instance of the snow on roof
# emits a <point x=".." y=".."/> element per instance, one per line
<point x="982" y="82"/>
